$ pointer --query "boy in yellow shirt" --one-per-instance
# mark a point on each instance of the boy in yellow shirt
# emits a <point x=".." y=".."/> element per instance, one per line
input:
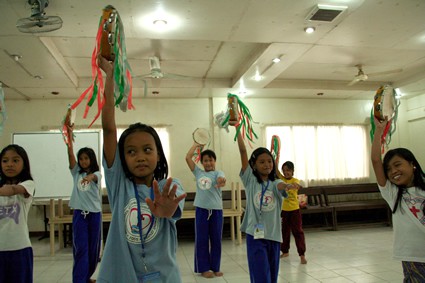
<point x="291" y="215"/>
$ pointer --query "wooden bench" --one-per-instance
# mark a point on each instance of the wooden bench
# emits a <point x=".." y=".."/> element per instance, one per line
<point x="60" y="219"/>
<point x="355" y="197"/>
<point x="316" y="204"/>
<point x="232" y="207"/>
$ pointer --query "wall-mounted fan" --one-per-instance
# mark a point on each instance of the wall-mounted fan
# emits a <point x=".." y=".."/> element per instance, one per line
<point x="38" y="21"/>
<point x="361" y="76"/>
<point x="157" y="73"/>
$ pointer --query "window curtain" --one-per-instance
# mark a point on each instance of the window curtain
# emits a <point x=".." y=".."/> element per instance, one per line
<point x="324" y="155"/>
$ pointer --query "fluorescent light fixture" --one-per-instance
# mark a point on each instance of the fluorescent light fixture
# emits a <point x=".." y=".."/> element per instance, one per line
<point x="398" y="93"/>
<point x="310" y="29"/>
<point x="257" y="77"/>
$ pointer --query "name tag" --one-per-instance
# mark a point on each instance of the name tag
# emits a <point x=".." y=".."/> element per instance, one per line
<point x="259" y="231"/>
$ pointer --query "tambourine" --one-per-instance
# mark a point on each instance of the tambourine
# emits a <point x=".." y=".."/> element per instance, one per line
<point x="232" y="103"/>
<point x="201" y="136"/>
<point x="384" y="104"/>
<point x="109" y="18"/>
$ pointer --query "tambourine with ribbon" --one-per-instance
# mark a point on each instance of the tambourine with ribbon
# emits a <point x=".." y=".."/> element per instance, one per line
<point x="275" y="148"/>
<point x="68" y="121"/>
<point x="237" y="111"/>
<point x="202" y="137"/>
<point x="110" y="43"/>
<point x="385" y="106"/>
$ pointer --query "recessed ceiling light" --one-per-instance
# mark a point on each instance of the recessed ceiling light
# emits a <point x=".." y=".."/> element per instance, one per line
<point x="276" y="60"/>
<point x="309" y="29"/>
<point x="257" y="77"/>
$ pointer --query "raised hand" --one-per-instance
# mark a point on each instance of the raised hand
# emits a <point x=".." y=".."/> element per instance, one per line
<point x="104" y="64"/>
<point x="221" y="182"/>
<point x="166" y="202"/>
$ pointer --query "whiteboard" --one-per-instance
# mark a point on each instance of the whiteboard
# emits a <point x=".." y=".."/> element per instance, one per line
<point x="49" y="163"/>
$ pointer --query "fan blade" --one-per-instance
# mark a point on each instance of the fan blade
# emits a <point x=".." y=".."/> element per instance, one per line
<point x="390" y="72"/>
<point x="354" y="81"/>
<point x="176" y="76"/>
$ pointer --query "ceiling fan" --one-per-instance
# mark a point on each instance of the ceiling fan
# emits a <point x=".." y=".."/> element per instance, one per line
<point x="38" y="21"/>
<point x="157" y="73"/>
<point x="361" y="76"/>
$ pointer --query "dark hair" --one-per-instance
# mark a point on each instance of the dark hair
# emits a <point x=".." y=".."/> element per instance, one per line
<point x="418" y="174"/>
<point x="161" y="170"/>
<point x="253" y="159"/>
<point x="92" y="156"/>
<point x="208" y="152"/>
<point x="289" y="164"/>
<point x="26" y="171"/>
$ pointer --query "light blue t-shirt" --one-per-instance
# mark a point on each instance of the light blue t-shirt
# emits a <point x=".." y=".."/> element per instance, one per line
<point x="122" y="257"/>
<point x="271" y="207"/>
<point x="85" y="197"/>
<point x="207" y="196"/>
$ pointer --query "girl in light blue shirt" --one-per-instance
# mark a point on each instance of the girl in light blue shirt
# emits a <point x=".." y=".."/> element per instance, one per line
<point x="142" y="239"/>
<point x="86" y="220"/>
<point x="261" y="222"/>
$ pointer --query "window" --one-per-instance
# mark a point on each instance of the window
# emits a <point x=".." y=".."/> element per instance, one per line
<point x="324" y="154"/>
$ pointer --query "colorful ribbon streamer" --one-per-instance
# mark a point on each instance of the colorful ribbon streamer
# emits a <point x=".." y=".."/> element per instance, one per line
<point x="122" y="74"/>
<point x="67" y="121"/>
<point x="244" y="120"/>
<point x="197" y="154"/>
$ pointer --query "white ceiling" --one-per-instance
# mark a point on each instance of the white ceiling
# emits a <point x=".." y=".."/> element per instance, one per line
<point x="220" y="42"/>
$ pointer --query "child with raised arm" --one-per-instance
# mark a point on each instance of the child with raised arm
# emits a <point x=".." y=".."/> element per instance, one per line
<point x="402" y="184"/>
<point x="86" y="220"/>
<point x="142" y="239"/>
<point x="261" y="223"/>
<point x="291" y="214"/>
<point x="16" y="194"/>
<point x="208" y="212"/>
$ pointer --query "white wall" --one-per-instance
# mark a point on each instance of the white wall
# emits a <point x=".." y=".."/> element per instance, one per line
<point x="182" y="116"/>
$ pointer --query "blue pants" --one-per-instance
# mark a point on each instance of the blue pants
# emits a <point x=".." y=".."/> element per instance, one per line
<point x="86" y="244"/>
<point x="208" y="234"/>
<point x="263" y="259"/>
<point x="16" y="266"/>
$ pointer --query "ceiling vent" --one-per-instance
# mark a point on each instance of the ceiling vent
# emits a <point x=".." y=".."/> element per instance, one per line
<point x="325" y="13"/>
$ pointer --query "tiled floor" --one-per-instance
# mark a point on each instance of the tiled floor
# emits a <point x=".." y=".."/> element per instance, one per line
<point x="361" y="254"/>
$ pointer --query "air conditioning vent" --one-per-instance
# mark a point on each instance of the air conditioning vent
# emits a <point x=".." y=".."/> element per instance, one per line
<point x="325" y="13"/>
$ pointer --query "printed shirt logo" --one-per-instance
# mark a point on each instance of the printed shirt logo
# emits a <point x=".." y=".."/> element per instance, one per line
<point x="131" y="219"/>
<point x="204" y="183"/>
<point x="10" y="211"/>
<point x="83" y="187"/>
<point x="269" y="202"/>
<point x="415" y="205"/>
